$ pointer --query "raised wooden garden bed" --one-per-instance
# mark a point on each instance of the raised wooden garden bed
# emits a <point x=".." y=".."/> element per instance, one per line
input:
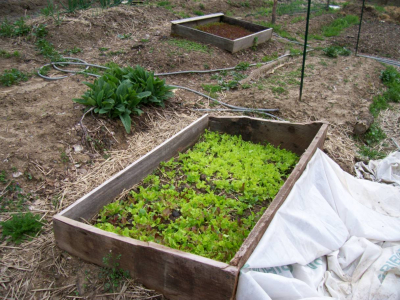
<point x="222" y="31"/>
<point x="178" y="274"/>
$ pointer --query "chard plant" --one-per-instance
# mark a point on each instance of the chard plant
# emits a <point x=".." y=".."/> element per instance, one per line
<point x="205" y="201"/>
<point x="121" y="92"/>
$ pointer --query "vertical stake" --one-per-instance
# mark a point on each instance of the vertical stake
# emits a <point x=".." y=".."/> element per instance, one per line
<point x="359" y="27"/>
<point x="305" y="49"/>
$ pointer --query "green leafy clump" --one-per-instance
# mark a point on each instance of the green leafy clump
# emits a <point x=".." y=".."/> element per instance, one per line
<point x="205" y="201"/>
<point x="13" y="76"/>
<point x="335" y="51"/>
<point x="47" y="50"/>
<point x="337" y="26"/>
<point x="6" y="54"/>
<point x="370" y="153"/>
<point x="189" y="45"/>
<point x="242" y="66"/>
<point x="121" y="91"/>
<point x="111" y="273"/>
<point x="18" y="28"/>
<point x="21" y="225"/>
<point x="374" y="135"/>
<point x="391" y="78"/>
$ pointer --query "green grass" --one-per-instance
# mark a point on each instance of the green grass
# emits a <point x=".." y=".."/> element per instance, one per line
<point x="47" y="50"/>
<point x="6" y="54"/>
<point x="380" y="9"/>
<point x="370" y="153"/>
<point x="18" y="28"/>
<point x="316" y="37"/>
<point x="189" y="45"/>
<point x="270" y="57"/>
<point x="198" y="13"/>
<point x="338" y="25"/>
<point x="13" y="76"/>
<point x="297" y="19"/>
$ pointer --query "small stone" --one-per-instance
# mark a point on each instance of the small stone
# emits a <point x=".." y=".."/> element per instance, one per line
<point x="16" y="174"/>
<point x="77" y="148"/>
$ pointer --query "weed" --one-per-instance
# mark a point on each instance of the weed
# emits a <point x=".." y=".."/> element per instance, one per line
<point x="370" y="153"/>
<point x="18" y="28"/>
<point x="295" y="52"/>
<point x="279" y="90"/>
<point x="49" y="10"/>
<point x="112" y="274"/>
<point x="189" y="45"/>
<point x="374" y="135"/>
<point x="206" y="67"/>
<point x="278" y="30"/>
<point x="335" y="51"/>
<point x="165" y="4"/>
<point x="40" y="31"/>
<point x="6" y="54"/>
<point x="125" y="36"/>
<point x="103" y="49"/>
<point x="3" y="176"/>
<point x="297" y="19"/>
<point x="13" y="76"/>
<point x="73" y="5"/>
<point x="74" y="50"/>
<point x="212" y="89"/>
<point x="242" y="66"/>
<point x="47" y="50"/>
<point x="316" y="37"/>
<point x="145" y="40"/>
<point x="21" y="225"/>
<point x="255" y="43"/>
<point x="64" y="157"/>
<point x="201" y="6"/>
<point x="380" y="9"/>
<point x="246" y="86"/>
<point x="44" y="70"/>
<point x="337" y="26"/>
<point x="198" y="13"/>
<point x="115" y="53"/>
<point x="182" y="14"/>
<point x="323" y="63"/>
<point x="228" y="13"/>
<point x="268" y="58"/>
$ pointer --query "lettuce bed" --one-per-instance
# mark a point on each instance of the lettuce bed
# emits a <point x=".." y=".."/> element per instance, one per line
<point x="205" y="201"/>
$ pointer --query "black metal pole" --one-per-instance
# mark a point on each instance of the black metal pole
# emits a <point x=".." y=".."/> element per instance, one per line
<point x="305" y="50"/>
<point x="359" y="27"/>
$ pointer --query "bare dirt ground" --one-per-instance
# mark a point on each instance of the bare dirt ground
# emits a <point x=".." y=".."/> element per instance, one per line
<point x="42" y="151"/>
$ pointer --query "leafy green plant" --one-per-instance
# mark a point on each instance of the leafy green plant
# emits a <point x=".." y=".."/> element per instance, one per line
<point x="335" y="51"/>
<point x="73" y="5"/>
<point x="3" y="176"/>
<point x="121" y="91"/>
<point x="370" y="153"/>
<point x="18" y="28"/>
<point x="112" y="274"/>
<point x="50" y="9"/>
<point x="374" y="135"/>
<point x="378" y="103"/>
<point x="279" y="90"/>
<point x="47" y="50"/>
<point x="21" y="225"/>
<point x="338" y="25"/>
<point x="198" y="13"/>
<point x="270" y="57"/>
<point x="13" y="76"/>
<point x="205" y="201"/>
<point x="74" y="50"/>
<point x="125" y="36"/>
<point x="13" y="199"/>
<point x="40" y="30"/>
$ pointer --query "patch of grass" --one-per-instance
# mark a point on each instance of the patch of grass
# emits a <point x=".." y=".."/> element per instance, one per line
<point x="125" y="36"/>
<point x="378" y="103"/>
<point x="6" y="54"/>
<point x="297" y="19"/>
<point x="40" y="31"/>
<point x="13" y="76"/>
<point x="165" y="4"/>
<point x="338" y="25"/>
<point x="21" y="225"/>
<point x="316" y="37"/>
<point x="278" y="30"/>
<point x="44" y="70"/>
<point x="212" y="89"/>
<point x="189" y="45"/>
<point x="14" y="199"/>
<point x="335" y="51"/>
<point x="3" y="176"/>
<point x="242" y="66"/>
<point x="73" y="5"/>
<point x="380" y="9"/>
<point x="295" y="52"/>
<point x="279" y="90"/>
<point x="270" y="57"/>
<point x="182" y="14"/>
<point x="49" y="10"/>
<point x="103" y="49"/>
<point x="74" y="50"/>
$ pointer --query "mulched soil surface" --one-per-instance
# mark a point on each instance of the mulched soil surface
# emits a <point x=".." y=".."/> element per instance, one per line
<point x="225" y="30"/>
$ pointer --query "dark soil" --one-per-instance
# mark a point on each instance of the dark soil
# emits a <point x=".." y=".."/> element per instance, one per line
<point x="225" y="30"/>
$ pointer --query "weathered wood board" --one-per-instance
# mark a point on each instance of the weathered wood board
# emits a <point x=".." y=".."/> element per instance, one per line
<point x="186" y="28"/>
<point x="177" y="274"/>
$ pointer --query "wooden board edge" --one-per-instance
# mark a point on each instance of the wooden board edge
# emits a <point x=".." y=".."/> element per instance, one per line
<point x="258" y="230"/>
<point x="135" y="255"/>
<point x="201" y="122"/>
<point x="197" y="18"/>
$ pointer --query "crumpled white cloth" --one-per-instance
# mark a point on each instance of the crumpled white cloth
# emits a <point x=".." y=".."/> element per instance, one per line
<point x="385" y="170"/>
<point x="335" y="236"/>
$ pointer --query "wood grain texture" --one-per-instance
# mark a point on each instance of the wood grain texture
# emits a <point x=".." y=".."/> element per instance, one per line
<point x="256" y="234"/>
<point x="90" y="204"/>
<point x="176" y="274"/>
<point x="199" y="18"/>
